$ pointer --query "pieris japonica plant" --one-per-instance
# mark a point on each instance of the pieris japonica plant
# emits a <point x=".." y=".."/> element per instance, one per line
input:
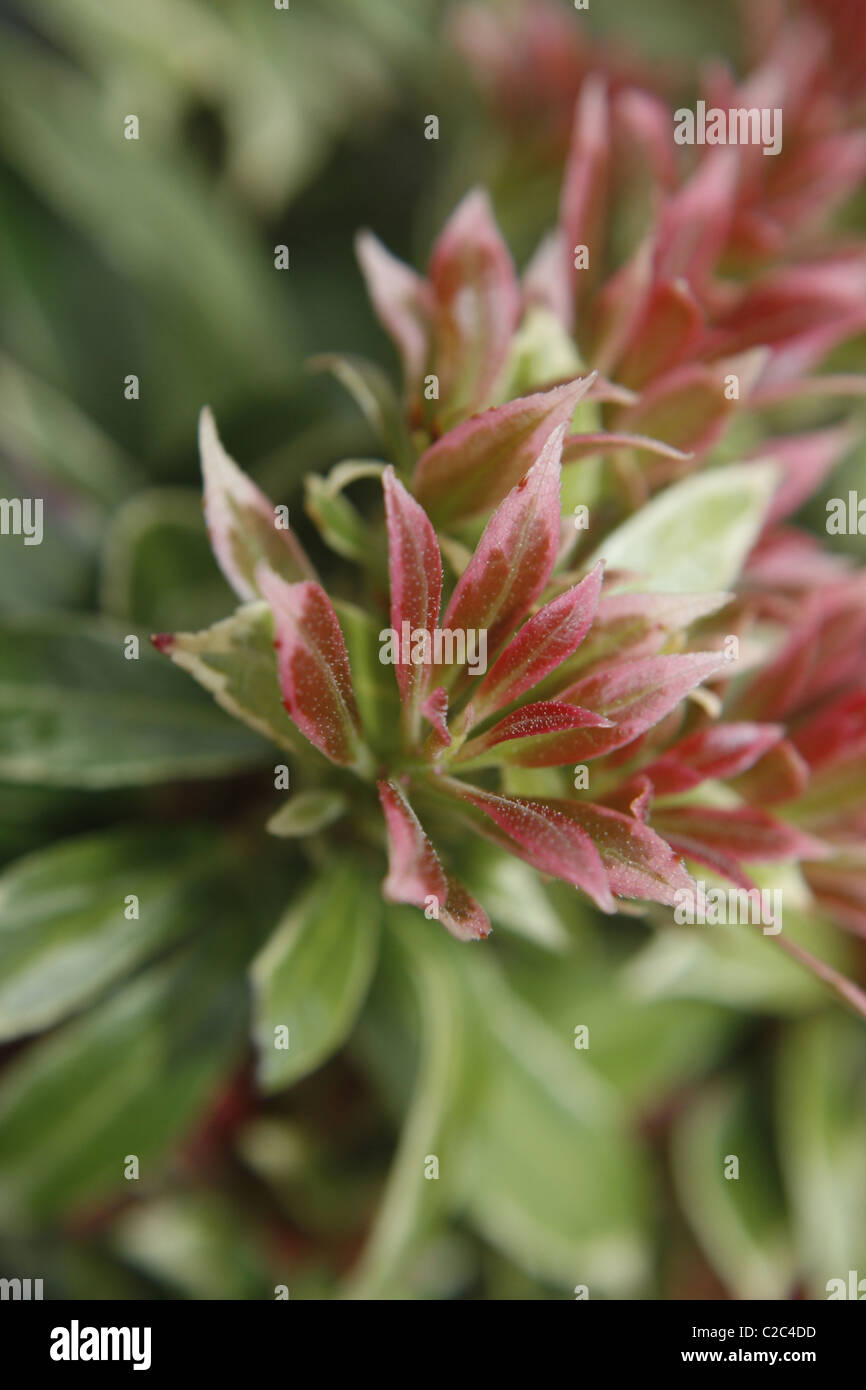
<point x="632" y="722"/>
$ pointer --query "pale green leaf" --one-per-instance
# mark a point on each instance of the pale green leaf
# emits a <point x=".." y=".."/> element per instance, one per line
<point x="311" y="977"/>
<point x="234" y="659"/>
<point x="821" y="1106"/>
<point x="413" y="1195"/>
<point x="75" y="712"/>
<point x="306" y="813"/>
<point x="694" y="536"/>
<point x="552" y="1177"/>
<point x="126" y="1079"/>
<point x="157" y="565"/>
<point x="64" y="934"/>
<point x="729" y="1189"/>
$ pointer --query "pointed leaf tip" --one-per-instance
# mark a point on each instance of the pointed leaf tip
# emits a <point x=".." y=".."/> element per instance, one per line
<point x="547" y="639"/>
<point x="542" y="835"/>
<point x="546" y="734"/>
<point x="515" y="556"/>
<point x="415" y="874"/>
<point x="471" y="468"/>
<point x="242" y="522"/>
<point x="476" y="304"/>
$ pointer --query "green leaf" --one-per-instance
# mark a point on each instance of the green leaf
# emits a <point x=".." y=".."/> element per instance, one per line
<point x="128" y="1078"/>
<point x="552" y="1178"/>
<point x="313" y="974"/>
<point x="75" y="712"/>
<point x="735" y="963"/>
<point x="306" y="813"/>
<point x="234" y="659"/>
<point x="198" y="263"/>
<point x="645" y="1049"/>
<point x="411" y="1202"/>
<point x="340" y="523"/>
<point x="372" y="389"/>
<point x="197" y="1244"/>
<point x="542" y="353"/>
<point x="739" y="1219"/>
<point x="694" y="536"/>
<point x="821" y="1107"/>
<point x="513" y="895"/>
<point x="41" y="424"/>
<point x="158" y="568"/>
<point x="63" y="931"/>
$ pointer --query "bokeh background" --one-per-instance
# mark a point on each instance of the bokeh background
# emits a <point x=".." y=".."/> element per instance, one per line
<point x="155" y="257"/>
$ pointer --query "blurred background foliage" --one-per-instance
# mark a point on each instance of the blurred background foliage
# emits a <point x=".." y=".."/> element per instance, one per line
<point x="558" y="1167"/>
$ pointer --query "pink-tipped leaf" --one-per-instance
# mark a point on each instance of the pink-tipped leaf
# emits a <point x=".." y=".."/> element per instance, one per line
<point x="470" y="469"/>
<point x="635" y="695"/>
<point x="544" y="837"/>
<point x="476" y="303"/>
<point x="547" y="639"/>
<point x="546" y="734"/>
<point x="313" y="667"/>
<point x="515" y="555"/>
<point x="415" y="574"/>
<point x="242" y="522"/>
<point x="415" y="874"/>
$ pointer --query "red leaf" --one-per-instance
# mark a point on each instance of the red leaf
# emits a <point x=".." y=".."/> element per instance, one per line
<point x="415" y="875"/>
<point x="723" y="750"/>
<point x="544" y="837"/>
<point x="805" y="459"/>
<point x="414" y="871"/>
<point x="784" y="558"/>
<point x="476" y="304"/>
<point x="515" y="555"/>
<point x="547" y="734"/>
<point x="802" y="311"/>
<point x="545" y="640"/>
<point x="667" y="331"/>
<point x="646" y="121"/>
<point x="583" y="195"/>
<point x="694" y="224"/>
<point x="742" y="832"/>
<point x="781" y="775"/>
<point x="313" y="667"/>
<point x="415" y="573"/>
<point x="402" y="302"/>
<point x="635" y="695"/>
<point x="638" y="862"/>
<point x="836" y="734"/>
<point x="462" y="915"/>
<point x="840" y="887"/>
<point x="630" y="626"/>
<point x="688" y="406"/>
<point x="471" y="468"/>
<point x="435" y="711"/>
<point x="546" y="281"/>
